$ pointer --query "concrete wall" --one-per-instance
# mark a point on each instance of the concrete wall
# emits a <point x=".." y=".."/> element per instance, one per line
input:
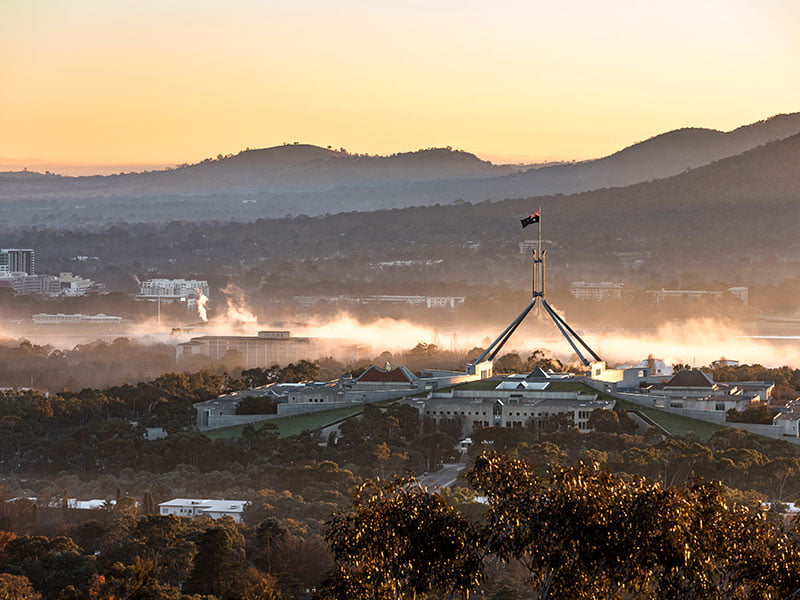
<point x="645" y="400"/>
<point x="506" y="394"/>
<point x="217" y="422"/>
<point x="287" y="410"/>
<point x="378" y="395"/>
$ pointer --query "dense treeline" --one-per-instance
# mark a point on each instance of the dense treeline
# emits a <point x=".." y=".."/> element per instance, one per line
<point x="573" y="533"/>
<point x="100" y="363"/>
<point x="162" y="557"/>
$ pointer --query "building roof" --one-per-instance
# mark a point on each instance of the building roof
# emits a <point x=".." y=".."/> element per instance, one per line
<point x="237" y="338"/>
<point x="522" y="385"/>
<point x="377" y="375"/>
<point x="693" y="378"/>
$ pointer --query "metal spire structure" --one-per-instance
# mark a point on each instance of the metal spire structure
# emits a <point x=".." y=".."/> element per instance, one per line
<point x="482" y="365"/>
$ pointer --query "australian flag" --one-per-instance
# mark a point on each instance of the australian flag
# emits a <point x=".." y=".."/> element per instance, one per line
<point x="534" y="218"/>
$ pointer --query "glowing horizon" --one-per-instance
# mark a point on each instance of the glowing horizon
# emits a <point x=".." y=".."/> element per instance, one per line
<point x="150" y="83"/>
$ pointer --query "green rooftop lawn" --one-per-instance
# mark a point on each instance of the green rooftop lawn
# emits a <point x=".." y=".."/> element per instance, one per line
<point x="295" y="424"/>
<point x="478" y="384"/>
<point x="672" y="423"/>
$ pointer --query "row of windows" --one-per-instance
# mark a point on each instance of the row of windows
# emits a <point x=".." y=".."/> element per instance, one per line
<point x="581" y="414"/>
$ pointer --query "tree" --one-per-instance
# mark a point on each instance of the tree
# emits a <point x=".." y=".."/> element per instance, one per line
<point x="148" y="504"/>
<point x="268" y="540"/>
<point x="582" y="532"/>
<point x="400" y="540"/>
<point x="434" y="447"/>
<point x="17" y="587"/>
<point x="509" y="363"/>
<point x="219" y="566"/>
<point x="163" y="540"/>
<point x="752" y="414"/>
<point x="611" y="421"/>
<point x="51" y="564"/>
<point x="138" y="581"/>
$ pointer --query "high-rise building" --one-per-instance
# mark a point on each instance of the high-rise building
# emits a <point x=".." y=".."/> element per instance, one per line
<point x="17" y="260"/>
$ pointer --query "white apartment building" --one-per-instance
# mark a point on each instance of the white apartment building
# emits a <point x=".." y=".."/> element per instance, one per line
<point x="17" y="260"/>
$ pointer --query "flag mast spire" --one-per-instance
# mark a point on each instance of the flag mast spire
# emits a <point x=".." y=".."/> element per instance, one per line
<point x="482" y="366"/>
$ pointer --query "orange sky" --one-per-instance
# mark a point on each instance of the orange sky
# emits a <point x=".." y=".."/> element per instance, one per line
<point x="172" y="81"/>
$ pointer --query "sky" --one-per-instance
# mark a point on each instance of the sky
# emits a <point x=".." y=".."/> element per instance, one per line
<point x="156" y="82"/>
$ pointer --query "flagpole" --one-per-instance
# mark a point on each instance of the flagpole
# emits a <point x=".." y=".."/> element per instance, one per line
<point x="540" y="231"/>
<point x="540" y="266"/>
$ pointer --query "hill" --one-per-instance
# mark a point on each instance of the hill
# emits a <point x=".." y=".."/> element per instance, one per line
<point x="281" y="169"/>
<point x="303" y="179"/>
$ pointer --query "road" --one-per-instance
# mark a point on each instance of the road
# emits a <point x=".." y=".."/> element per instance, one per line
<point x="444" y="477"/>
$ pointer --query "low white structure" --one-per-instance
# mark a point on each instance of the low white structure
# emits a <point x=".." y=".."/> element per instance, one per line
<point x="74" y="318"/>
<point x="193" y="507"/>
<point x="599" y="290"/>
<point x="449" y="302"/>
<point x="96" y="504"/>
<point x="740" y="293"/>
<point x="270" y="348"/>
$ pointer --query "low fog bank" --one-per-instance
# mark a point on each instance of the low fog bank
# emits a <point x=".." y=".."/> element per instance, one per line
<point x="148" y="349"/>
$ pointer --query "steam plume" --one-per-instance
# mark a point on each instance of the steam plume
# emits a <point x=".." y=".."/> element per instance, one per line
<point x="202" y="300"/>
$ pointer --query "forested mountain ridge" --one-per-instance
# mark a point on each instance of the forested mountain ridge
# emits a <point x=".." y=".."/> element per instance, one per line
<point x="280" y="169"/>
<point x="303" y="179"/>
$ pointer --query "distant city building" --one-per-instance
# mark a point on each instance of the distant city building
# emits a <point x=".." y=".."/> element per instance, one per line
<point x="724" y="362"/>
<point x="172" y="289"/>
<point x="74" y="318"/>
<point x="191" y="507"/>
<point x="22" y="284"/>
<point x="602" y="290"/>
<point x="434" y="302"/>
<point x="740" y="293"/>
<point x="270" y="348"/>
<point x="633" y="260"/>
<point x="64" y="284"/>
<point x="17" y="260"/>
<point x="430" y="262"/>
<point x="73" y="285"/>
<point x="528" y="246"/>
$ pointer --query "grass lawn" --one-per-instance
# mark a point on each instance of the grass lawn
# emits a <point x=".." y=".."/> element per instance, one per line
<point x="479" y="384"/>
<point x="297" y="423"/>
<point x="674" y="424"/>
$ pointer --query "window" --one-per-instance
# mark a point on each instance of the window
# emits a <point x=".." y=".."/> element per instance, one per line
<point x="719" y="406"/>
